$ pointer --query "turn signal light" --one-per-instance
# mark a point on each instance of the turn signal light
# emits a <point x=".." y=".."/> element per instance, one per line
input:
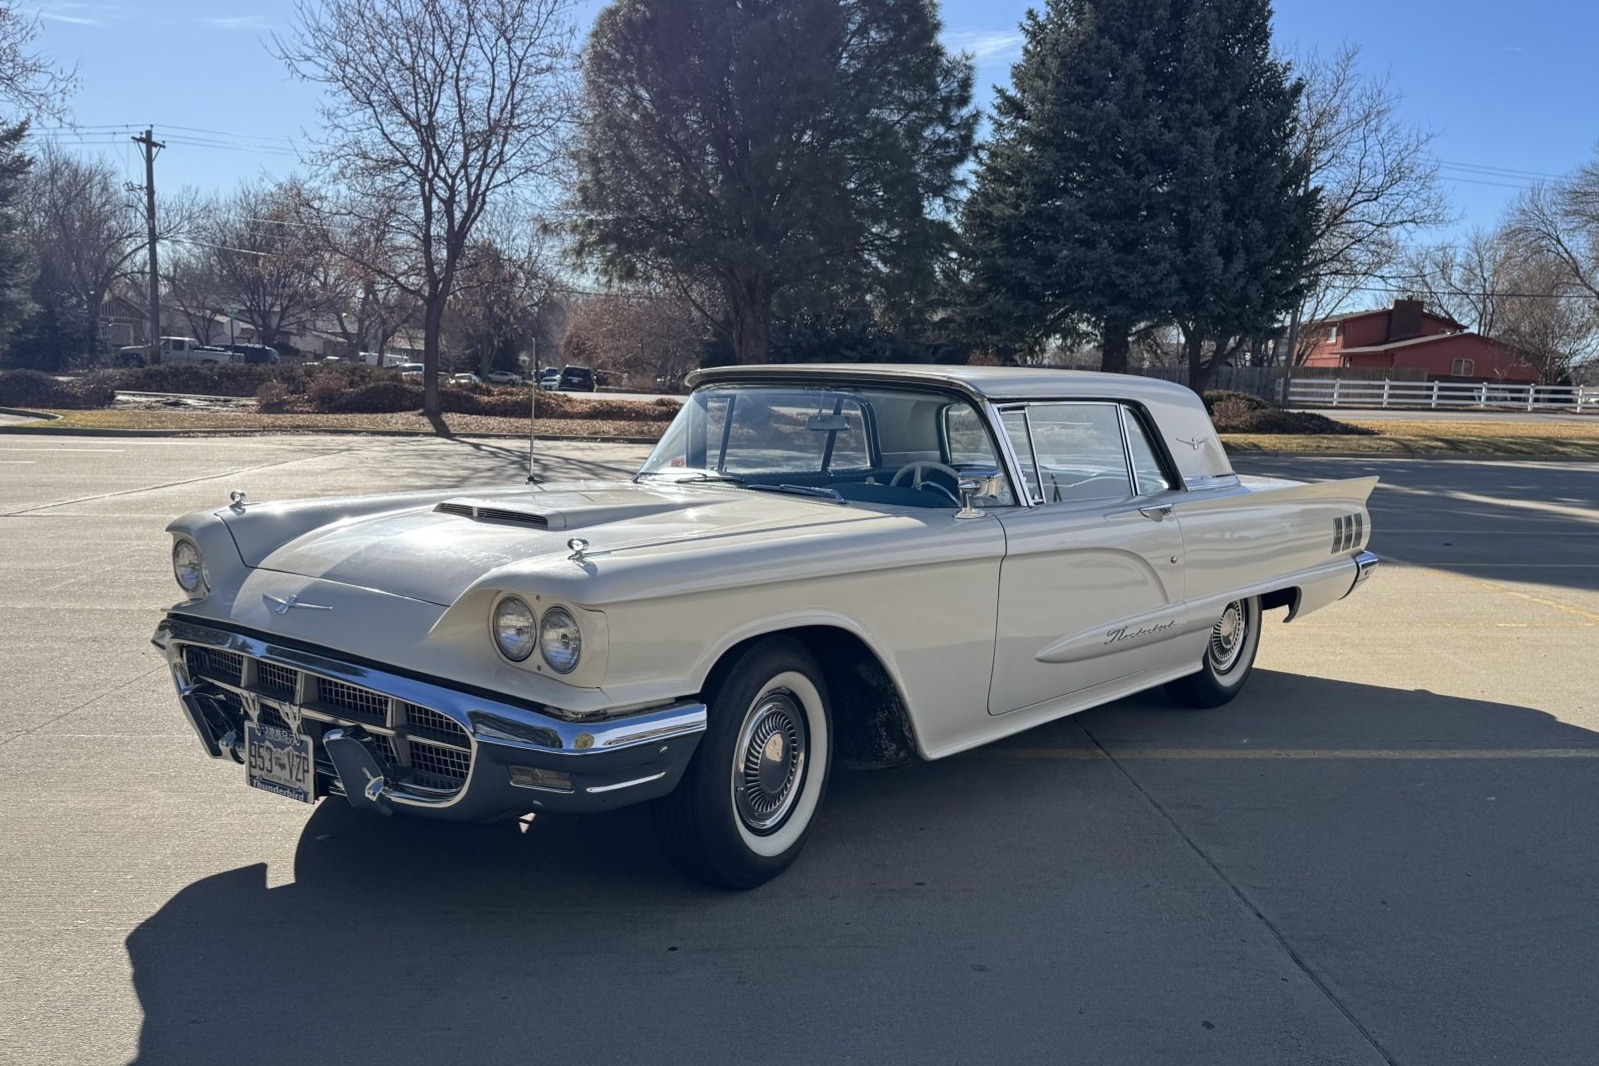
<point x="534" y="777"/>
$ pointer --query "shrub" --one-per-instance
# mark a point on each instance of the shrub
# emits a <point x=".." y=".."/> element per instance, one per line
<point x="379" y="397"/>
<point x="1237" y="418"/>
<point x="1246" y="400"/>
<point x="232" y="380"/>
<point x="273" y="397"/>
<point x="34" y="389"/>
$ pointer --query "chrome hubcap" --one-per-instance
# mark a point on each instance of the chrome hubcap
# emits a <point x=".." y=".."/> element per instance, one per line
<point x="1227" y="638"/>
<point x="770" y="761"/>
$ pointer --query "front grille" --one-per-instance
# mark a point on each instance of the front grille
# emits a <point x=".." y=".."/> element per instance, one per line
<point x="434" y="763"/>
<point x="436" y="752"/>
<point x="421" y="722"/>
<point x="270" y="716"/>
<point x="213" y="664"/>
<point x="276" y="680"/>
<point x="360" y="704"/>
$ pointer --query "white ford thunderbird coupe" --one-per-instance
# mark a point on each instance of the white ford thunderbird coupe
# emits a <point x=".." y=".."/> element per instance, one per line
<point x="863" y="565"/>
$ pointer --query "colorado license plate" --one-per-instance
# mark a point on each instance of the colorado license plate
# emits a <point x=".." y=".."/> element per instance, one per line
<point x="279" y="762"/>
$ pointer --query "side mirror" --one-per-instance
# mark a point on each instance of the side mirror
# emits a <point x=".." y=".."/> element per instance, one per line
<point x="979" y="484"/>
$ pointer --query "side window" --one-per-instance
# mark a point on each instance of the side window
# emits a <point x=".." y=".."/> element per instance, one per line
<point x="1078" y="452"/>
<point x="1146" y="467"/>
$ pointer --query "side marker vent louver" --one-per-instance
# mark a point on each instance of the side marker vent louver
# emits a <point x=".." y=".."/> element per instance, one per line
<point x="1348" y="533"/>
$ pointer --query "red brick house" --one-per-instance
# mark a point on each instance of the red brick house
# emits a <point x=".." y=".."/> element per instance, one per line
<point x="1406" y="336"/>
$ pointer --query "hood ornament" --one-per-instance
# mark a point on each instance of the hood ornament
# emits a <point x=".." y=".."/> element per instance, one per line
<point x="237" y="501"/>
<point x="277" y="606"/>
<point x="578" y="546"/>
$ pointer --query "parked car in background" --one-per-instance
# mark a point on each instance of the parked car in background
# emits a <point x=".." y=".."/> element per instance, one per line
<point x="576" y="379"/>
<point x="465" y="378"/>
<point x="412" y="371"/>
<point x="504" y="377"/>
<point x="176" y="351"/>
<point x="255" y="354"/>
<point x="817" y="563"/>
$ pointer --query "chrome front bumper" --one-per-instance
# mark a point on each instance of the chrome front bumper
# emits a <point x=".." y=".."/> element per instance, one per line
<point x="443" y="751"/>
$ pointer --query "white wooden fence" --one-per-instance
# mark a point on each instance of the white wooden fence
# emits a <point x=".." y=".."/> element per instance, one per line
<point x="1337" y="392"/>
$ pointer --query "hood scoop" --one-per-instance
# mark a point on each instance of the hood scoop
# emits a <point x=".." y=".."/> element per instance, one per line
<point x="500" y="514"/>
<point x="561" y="509"/>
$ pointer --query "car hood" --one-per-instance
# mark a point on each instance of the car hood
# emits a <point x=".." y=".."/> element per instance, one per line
<point x="435" y="551"/>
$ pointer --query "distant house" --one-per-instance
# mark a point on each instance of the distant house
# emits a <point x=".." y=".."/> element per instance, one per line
<point x="1407" y="336"/>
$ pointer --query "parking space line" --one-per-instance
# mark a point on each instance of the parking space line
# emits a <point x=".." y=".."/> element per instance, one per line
<point x="1225" y="754"/>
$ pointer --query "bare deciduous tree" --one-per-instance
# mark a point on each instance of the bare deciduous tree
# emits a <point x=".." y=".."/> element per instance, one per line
<point x="1505" y="285"/>
<point x="28" y="81"/>
<point x="362" y="304"/>
<point x="85" y="233"/>
<point x="1376" y="176"/>
<point x="1464" y="279"/>
<point x="646" y="334"/>
<point x="265" y="257"/>
<point x="440" y="107"/>
<point x="1562" y="220"/>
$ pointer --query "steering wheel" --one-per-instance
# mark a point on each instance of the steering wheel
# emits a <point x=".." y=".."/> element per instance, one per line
<point x="915" y="471"/>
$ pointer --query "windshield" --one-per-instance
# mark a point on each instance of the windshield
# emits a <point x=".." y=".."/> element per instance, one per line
<point x="898" y="446"/>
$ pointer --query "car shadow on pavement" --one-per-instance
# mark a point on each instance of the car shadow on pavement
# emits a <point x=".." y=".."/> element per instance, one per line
<point x="1062" y="898"/>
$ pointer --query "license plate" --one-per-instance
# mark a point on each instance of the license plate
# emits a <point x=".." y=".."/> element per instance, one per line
<point x="279" y="762"/>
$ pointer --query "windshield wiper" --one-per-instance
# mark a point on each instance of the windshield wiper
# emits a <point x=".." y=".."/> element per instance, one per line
<point x="800" y="490"/>
<point x="680" y="476"/>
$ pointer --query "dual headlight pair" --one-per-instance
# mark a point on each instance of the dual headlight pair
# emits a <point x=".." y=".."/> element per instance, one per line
<point x="517" y="631"/>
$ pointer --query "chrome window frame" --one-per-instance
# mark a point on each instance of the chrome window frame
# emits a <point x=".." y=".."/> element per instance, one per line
<point x="1024" y="407"/>
<point x="1132" y="416"/>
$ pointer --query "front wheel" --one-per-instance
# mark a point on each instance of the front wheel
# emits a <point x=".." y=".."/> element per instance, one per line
<point x="741" y="813"/>
<point x="1229" y="657"/>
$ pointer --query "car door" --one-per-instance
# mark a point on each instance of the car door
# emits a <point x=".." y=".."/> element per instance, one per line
<point x="1091" y="587"/>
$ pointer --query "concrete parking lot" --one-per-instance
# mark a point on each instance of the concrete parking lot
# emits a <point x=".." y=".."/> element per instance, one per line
<point x="1383" y="852"/>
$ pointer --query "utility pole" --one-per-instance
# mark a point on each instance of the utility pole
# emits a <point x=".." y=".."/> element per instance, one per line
<point x="151" y="146"/>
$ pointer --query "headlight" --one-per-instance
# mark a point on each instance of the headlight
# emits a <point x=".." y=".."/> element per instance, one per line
<point x="513" y="626"/>
<point x="188" y="567"/>
<point x="560" y="642"/>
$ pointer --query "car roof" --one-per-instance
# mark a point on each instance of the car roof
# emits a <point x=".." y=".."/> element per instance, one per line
<point x="987" y="382"/>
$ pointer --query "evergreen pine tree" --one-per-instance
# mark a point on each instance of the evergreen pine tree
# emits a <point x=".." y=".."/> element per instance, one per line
<point x="1239" y="197"/>
<point x="1065" y="227"/>
<point x="1140" y="171"/>
<point x="16" y="272"/>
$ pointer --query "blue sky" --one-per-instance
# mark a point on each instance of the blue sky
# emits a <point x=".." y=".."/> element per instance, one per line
<point x="1509" y="88"/>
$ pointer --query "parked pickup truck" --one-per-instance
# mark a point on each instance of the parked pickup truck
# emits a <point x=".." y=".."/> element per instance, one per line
<point x="176" y="351"/>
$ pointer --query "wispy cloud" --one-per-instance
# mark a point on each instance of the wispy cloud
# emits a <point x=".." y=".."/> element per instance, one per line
<point x="77" y="14"/>
<point x="247" y="23"/>
<point x="985" y="45"/>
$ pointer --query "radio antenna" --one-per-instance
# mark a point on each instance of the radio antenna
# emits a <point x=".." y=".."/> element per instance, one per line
<point x="532" y="415"/>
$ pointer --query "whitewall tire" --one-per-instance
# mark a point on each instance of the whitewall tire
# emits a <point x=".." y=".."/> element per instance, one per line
<point x="1228" y="660"/>
<point x="741" y="813"/>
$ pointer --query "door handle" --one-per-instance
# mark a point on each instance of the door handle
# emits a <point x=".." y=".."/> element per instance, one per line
<point x="1156" y="511"/>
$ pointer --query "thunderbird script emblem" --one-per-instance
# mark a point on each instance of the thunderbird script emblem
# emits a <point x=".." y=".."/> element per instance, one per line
<point x="278" y="606"/>
<point x="1196" y="444"/>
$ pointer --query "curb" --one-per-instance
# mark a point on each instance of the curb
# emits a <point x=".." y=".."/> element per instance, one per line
<point x="21" y="412"/>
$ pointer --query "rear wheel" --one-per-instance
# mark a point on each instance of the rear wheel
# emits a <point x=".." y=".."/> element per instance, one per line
<point x="1229" y="657"/>
<point x="741" y="813"/>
